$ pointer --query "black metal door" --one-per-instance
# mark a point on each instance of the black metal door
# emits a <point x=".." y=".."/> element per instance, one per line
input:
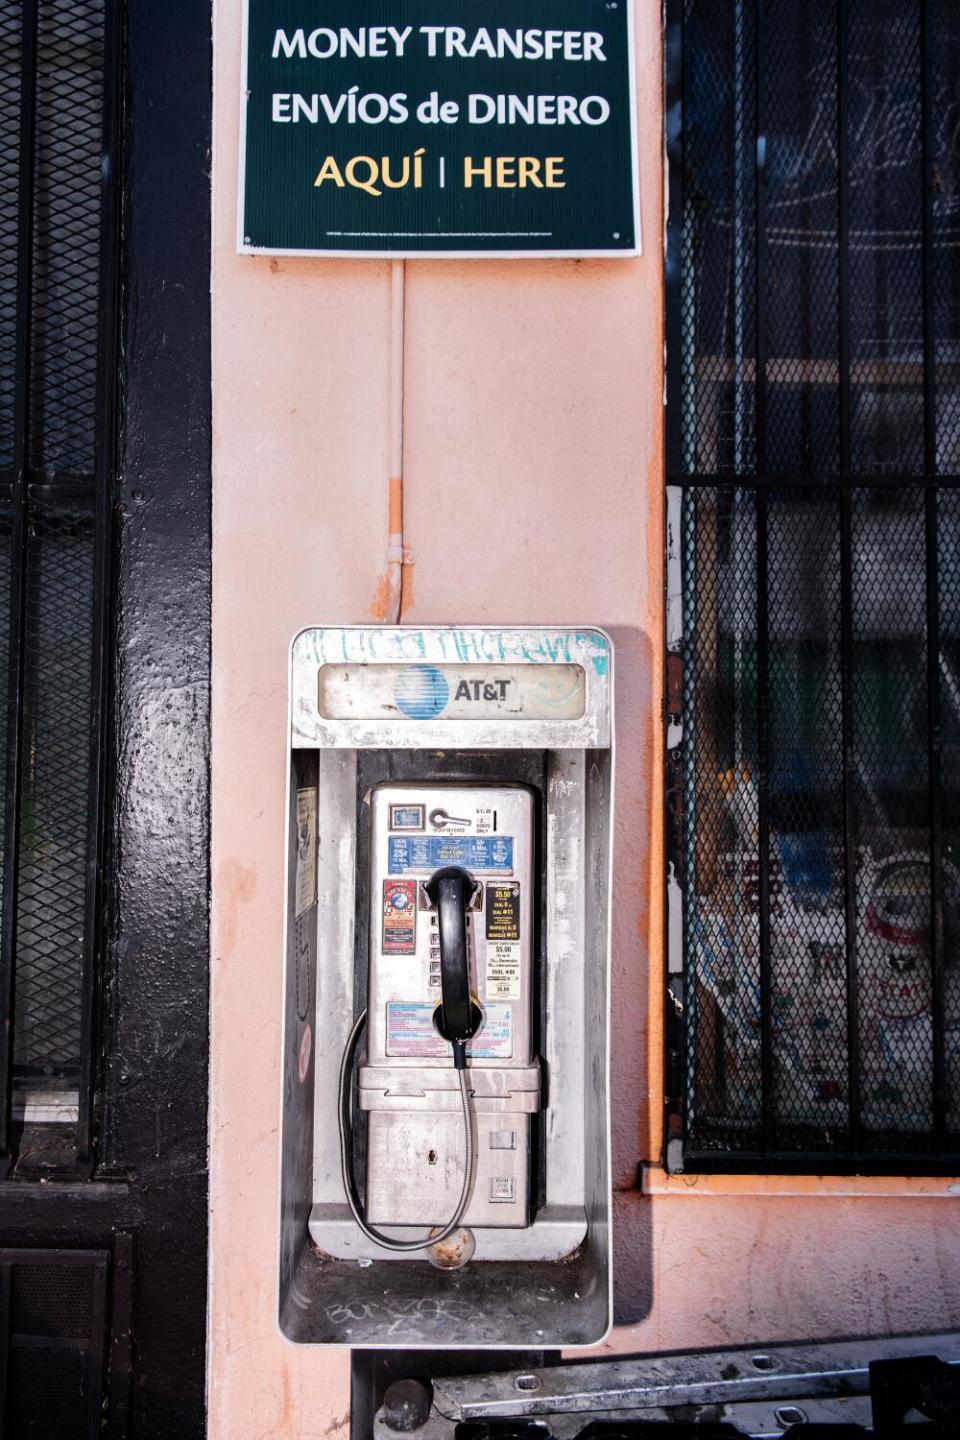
<point x="104" y="625"/>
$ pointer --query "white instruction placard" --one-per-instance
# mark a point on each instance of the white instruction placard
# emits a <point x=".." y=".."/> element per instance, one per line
<point x="503" y="970"/>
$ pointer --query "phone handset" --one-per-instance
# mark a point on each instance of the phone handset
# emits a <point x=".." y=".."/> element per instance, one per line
<point x="450" y="892"/>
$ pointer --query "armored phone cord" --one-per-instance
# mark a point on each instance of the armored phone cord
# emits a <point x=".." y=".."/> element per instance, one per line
<point x="346" y="1147"/>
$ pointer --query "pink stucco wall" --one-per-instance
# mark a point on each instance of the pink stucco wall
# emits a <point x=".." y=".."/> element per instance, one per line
<point x="533" y="392"/>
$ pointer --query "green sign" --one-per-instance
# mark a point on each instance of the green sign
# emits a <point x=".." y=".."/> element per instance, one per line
<point x="438" y="127"/>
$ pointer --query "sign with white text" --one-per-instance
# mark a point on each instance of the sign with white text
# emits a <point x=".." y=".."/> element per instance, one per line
<point x="410" y="128"/>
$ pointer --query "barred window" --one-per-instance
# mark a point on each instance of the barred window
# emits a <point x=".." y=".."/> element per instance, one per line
<point x="813" y="298"/>
<point x="57" y="242"/>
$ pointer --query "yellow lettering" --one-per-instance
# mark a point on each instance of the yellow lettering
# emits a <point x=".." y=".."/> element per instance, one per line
<point x="329" y="170"/>
<point x="469" y="170"/>
<point x="404" y="173"/>
<point x="529" y="172"/>
<point x="505" y="172"/>
<point x="554" y="172"/>
<point x="373" y="174"/>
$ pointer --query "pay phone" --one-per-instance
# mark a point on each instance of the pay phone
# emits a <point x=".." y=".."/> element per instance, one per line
<point x="445" y="1129"/>
<point x="449" y="1080"/>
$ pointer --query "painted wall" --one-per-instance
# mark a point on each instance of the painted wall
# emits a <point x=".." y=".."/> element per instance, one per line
<point x="533" y="402"/>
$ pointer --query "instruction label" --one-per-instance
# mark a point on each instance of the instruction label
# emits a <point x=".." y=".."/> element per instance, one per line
<point x="406" y="817"/>
<point x="411" y="1031"/>
<point x="503" y="970"/>
<point x="503" y="911"/>
<point x="428" y="852"/>
<point x="306" y="887"/>
<point x="399" y="935"/>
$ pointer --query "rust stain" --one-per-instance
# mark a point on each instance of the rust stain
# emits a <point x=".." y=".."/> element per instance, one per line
<point x="381" y="596"/>
<point x="285" y="1418"/>
<point x="406" y="589"/>
<point x="274" y="266"/>
<point x="381" y="599"/>
<point x="236" y="884"/>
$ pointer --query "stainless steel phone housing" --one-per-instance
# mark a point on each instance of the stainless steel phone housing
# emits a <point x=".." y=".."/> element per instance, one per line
<point x="373" y="707"/>
<point x="407" y="1085"/>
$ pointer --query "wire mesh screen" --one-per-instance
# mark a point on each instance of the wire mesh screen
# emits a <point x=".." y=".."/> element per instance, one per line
<point x="56" y="258"/>
<point x="6" y="519"/>
<point x="10" y="66"/>
<point x="53" y="824"/>
<point x="814" y="445"/>
<point x="66" y="251"/>
<point x="54" y="1343"/>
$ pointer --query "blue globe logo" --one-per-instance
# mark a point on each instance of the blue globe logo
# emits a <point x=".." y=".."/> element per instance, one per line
<point x="421" y="692"/>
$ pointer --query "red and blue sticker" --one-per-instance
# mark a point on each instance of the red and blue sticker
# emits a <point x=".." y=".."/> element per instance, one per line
<point x="399" y="917"/>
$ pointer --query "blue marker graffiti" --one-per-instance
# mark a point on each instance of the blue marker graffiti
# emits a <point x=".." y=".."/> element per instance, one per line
<point x="590" y="640"/>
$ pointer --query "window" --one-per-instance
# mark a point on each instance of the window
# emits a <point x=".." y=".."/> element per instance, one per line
<point x="57" y="240"/>
<point x="813" y="293"/>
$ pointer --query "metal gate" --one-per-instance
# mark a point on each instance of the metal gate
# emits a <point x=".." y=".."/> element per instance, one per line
<point x="813" y="287"/>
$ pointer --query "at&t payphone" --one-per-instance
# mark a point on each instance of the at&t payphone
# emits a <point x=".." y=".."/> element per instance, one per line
<point x="445" y="1174"/>
<point x="449" y="1080"/>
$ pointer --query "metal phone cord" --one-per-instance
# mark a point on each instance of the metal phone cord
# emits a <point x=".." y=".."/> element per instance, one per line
<point x="345" y="1109"/>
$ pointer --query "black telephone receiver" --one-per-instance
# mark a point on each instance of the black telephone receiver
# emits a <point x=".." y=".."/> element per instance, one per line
<point x="450" y="891"/>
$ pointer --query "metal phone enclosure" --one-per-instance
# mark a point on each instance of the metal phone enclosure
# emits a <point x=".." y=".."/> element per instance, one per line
<point x="463" y="774"/>
<point x="407" y="1084"/>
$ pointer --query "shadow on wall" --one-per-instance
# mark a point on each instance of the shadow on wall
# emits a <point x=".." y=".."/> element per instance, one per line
<point x="632" y="1258"/>
<point x="635" y="949"/>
